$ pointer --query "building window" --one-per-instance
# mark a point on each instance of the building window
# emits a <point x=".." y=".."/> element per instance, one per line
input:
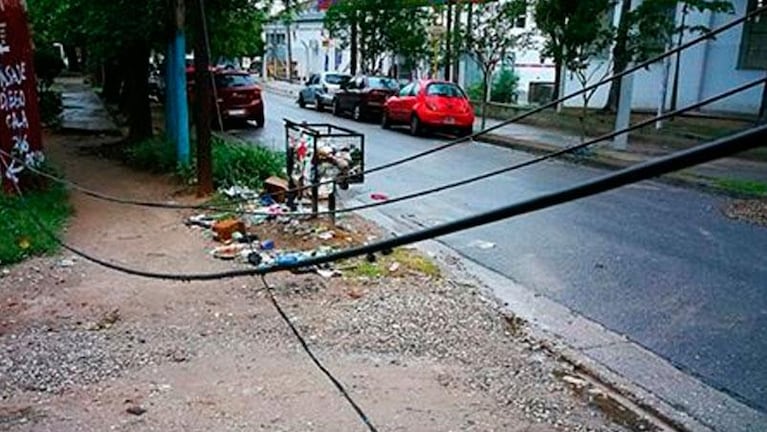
<point x="753" y="46"/>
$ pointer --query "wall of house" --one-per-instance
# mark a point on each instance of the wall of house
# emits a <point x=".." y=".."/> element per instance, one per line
<point x="706" y="69"/>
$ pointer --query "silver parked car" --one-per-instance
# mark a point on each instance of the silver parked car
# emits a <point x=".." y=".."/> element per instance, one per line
<point x="321" y="88"/>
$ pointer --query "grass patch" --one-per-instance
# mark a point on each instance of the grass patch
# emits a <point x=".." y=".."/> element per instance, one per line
<point x="234" y="163"/>
<point x="399" y="263"/>
<point x="20" y="236"/>
<point x="742" y="187"/>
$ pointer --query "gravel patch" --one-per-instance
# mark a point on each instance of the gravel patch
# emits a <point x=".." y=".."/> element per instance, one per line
<point x="754" y="211"/>
<point x="456" y="324"/>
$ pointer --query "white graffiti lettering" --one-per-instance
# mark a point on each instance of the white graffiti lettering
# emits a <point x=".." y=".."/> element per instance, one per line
<point x="13" y="75"/>
<point x="12" y="100"/>
<point x="20" y="143"/>
<point x="4" y="47"/>
<point x="13" y="171"/>
<point x="17" y="120"/>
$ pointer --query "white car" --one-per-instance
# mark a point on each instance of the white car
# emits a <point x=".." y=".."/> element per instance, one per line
<point x="320" y="89"/>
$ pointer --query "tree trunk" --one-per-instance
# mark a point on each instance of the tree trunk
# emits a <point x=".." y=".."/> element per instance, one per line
<point x="485" y="95"/>
<point x="678" y="61"/>
<point x="449" y="42"/>
<point x="137" y="95"/>
<point x="557" y="81"/>
<point x="620" y="60"/>
<point x="354" y="46"/>
<point x="203" y="105"/>
<point x="113" y="81"/>
<point x="457" y="51"/>
<point x="72" y="58"/>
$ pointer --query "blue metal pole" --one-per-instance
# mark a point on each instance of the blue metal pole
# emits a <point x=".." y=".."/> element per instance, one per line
<point x="181" y="103"/>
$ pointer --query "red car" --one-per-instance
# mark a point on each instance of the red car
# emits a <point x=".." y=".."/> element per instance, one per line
<point x="239" y="96"/>
<point x="434" y="105"/>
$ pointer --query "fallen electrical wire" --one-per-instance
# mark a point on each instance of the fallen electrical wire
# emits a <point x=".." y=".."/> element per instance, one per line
<point x="723" y="147"/>
<point x="305" y="346"/>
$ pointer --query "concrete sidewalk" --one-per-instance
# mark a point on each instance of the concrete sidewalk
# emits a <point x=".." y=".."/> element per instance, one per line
<point x="537" y="139"/>
<point x="83" y="110"/>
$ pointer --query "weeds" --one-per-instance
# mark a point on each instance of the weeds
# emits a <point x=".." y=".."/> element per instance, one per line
<point x="20" y="236"/>
<point x="742" y="187"/>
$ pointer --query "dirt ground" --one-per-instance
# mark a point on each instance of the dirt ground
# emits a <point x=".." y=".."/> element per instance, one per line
<point x="87" y="349"/>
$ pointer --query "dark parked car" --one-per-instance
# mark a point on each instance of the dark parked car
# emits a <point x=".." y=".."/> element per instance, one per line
<point x="364" y="96"/>
<point x="239" y="96"/>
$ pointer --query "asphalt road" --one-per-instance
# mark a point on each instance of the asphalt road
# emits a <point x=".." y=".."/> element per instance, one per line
<point x="658" y="263"/>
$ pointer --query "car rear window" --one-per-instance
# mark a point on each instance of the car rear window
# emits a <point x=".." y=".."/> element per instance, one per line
<point x="444" y="89"/>
<point x="336" y="79"/>
<point x="234" y="80"/>
<point x="383" y="83"/>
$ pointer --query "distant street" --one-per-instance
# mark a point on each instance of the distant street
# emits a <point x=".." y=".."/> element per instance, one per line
<point x="660" y="264"/>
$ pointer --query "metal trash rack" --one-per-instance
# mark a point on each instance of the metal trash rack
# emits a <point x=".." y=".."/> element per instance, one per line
<point x="320" y="153"/>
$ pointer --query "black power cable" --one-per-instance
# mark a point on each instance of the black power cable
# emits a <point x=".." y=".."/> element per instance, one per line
<point x="305" y="346"/>
<point x="421" y="193"/>
<point x="692" y="42"/>
<point x="723" y="147"/>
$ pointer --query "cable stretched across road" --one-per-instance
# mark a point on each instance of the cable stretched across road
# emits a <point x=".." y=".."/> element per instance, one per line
<point x="421" y="193"/>
<point x="692" y="42"/>
<point x="703" y="153"/>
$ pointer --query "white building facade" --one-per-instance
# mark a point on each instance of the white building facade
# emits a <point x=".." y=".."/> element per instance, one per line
<point x="735" y="57"/>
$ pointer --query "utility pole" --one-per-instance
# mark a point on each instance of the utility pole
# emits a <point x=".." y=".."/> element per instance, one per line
<point x="289" y="38"/>
<point x="204" y="99"/>
<point x="763" y="107"/>
<point x="176" y="105"/>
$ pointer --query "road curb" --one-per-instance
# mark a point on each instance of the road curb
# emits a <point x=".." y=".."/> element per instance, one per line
<point x="681" y="178"/>
<point x="630" y="375"/>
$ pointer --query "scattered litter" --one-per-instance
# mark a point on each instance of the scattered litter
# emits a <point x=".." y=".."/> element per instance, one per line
<point x="394" y="267"/>
<point x="377" y="196"/>
<point x="276" y="188"/>
<point x="267" y="245"/>
<point x="327" y="235"/>
<point x="66" y="263"/>
<point x="254" y="258"/>
<point x="5" y="272"/>
<point x="481" y="244"/>
<point x="327" y="274"/>
<point x="225" y="229"/>
<point x="228" y="252"/>
<point x="201" y="220"/>
<point x="239" y="192"/>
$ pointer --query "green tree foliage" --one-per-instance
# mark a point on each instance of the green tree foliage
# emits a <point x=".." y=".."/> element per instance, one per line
<point x="491" y="37"/>
<point x="505" y="86"/>
<point x="122" y="33"/>
<point x="384" y="27"/>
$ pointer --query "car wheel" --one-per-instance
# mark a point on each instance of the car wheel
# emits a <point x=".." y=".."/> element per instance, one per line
<point x="415" y="126"/>
<point x="466" y="132"/>
<point x="318" y="105"/>
<point x="301" y="102"/>
<point x="259" y="121"/>
<point x="385" y="122"/>
<point x="357" y="113"/>
<point x="336" y="108"/>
